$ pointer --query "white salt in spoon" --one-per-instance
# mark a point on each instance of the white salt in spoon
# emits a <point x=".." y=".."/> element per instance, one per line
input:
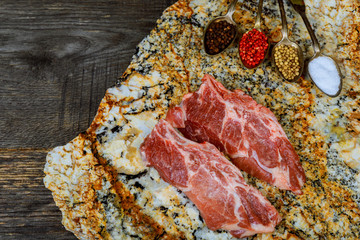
<point x="321" y="68"/>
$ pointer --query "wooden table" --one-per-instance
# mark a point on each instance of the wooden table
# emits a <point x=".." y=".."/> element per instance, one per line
<point x="57" y="58"/>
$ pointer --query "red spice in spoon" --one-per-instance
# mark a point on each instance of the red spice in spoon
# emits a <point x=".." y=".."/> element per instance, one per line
<point x="252" y="48"/>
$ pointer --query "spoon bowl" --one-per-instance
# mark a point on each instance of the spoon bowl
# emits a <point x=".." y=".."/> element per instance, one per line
<point x="317" y="55"/>
<point x="299" y="7"/>
<point x="265" y="55"/>
<point x="228" y="18"/>
<point x="257" y="26"/>
<point x="287" y="42"/>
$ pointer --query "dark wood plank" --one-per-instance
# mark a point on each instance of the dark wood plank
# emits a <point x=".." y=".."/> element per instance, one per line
<point x="27" y="207"/>
<point x="57" y="58"/>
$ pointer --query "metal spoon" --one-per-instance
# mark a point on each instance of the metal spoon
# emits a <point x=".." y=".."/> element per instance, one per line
<point x="257" y="26"/>
<point x="285" y="41"/>
<point x="299" y="7"/>
<point x="228" y="18"/>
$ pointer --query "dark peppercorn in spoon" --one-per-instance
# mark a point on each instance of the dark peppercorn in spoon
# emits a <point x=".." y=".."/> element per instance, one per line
<point x="220" y="32"/>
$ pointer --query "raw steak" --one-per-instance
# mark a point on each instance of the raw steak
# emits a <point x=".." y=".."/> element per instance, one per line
<point x="212" y="182"/>
<point x="248" y="132"/>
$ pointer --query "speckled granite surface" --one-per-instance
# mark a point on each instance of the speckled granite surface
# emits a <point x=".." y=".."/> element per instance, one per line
<point x="105" y="192"/>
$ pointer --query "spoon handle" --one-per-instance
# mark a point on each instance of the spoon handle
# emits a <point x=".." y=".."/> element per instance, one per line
<point x="284" y="29"/>
<point x="232" y="8"/>
<point x="299" y="7"/>
<point x="316" y="44"/>
<point x="258" y="15"/>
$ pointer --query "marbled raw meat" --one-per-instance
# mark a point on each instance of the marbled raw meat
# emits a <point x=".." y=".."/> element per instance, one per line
<point x="211" y="181"/>
<point x="248" y="132"/>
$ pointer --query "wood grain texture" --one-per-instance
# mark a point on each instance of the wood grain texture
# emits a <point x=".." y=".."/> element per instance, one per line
<point x="57" y="58"/>
<point x="27" y="208"/>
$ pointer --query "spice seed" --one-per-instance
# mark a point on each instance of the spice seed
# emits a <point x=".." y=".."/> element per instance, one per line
<point x="287" y="61"/>
<point x="252" y="48"/>
<point x="218" y="36"/>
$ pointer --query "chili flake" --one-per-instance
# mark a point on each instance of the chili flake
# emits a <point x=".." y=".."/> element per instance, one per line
<point x="252" y="48"/>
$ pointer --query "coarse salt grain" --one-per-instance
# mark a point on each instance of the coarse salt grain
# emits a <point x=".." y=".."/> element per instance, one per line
<point x="324" y="73"/>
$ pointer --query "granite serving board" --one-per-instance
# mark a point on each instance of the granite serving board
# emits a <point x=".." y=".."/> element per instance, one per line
<point x="102" y="187"/>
